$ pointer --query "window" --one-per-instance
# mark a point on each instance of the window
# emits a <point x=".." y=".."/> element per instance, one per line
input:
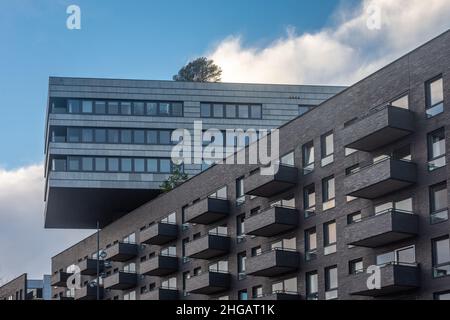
<point x="287" y="201"/>
<point x="125" y="136"/>
<point x="219" y="266"/>
<point x="131" y="238"/>
<point x="100" y="135"/>
<point x="165" y="137"/>
<point x="170" y="283"/>
<point x="256" y="251"/>
<point x="59" y="165"/>
<point x="217" y="110"/>
<point x="242" y="257"/>
<point x="329" y="234"/>
<point x="169" y="251"/>
<point x="284" y="244"/>
<point x="165" y="166"/>
<point x="139" y="136"/>
<point x="87" y="135"/>
<point x="74" y="106"/>
<point x="205" y="110"/>
<point x="125" y="165"/>
<point x="257" y="292"/>
<point x="86" y="106"/>
<point x="243" y="111"/>
<point x="310" y="244"/>
<point x="312" y="286"/>
<point x="331" y="283"/>
<point x="73" y="135"/>
<point x="100" y="164"/>
<point x="309" y="200"/>
<point x="240" y="225"/>
<point x="441" y="257"/>
<point x="139" y="165"/>
<point x="242" y="294"/>
<point x="230" y="111"/>
<point x="113" y="164"/>
<point x="113" y="136"/>
<point x="327" y="148"/>
<point x="87" y="163"/>
<point x="164" y="109"/>
<point x="100" y="107"/>
<point x="401" y="102"/>
<point x="152" y="108"/>
<point x="240" y="196"/>
<point x="139" y="108"/>
<point x="113" y="107"/>
<point x="349" y="151"/>
<point x="436" y="149"/>
<point x="438" y="203"/>
<point x="129" y="268"/>
<point x="405" y="256"/>
<point x="255" y="112"/>
<point x="186" y="276"/>
<point x="404" y="205"/>
<point x="286" y="286"/>
<point x="130" y="296"/>
<point x="74" y="164"/>
<point x="177" y="109"/>
<point x="308" y="157"/>
<point x="434" y="97"/>
<point x="354" y="217"/>
<point x="288" y="159"/>
<point x="442" y="295"/>
<point x="302" y="109"/>
<point x="125" y="108"/>
<point x="352" y="169"/>
<point x="328" y="193"/>
<point x="184" y="243"/>
<point x="356" y="266"/>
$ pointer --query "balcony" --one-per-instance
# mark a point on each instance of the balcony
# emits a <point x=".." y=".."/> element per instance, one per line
<point x="207" y="211"/>
<point x="272" y="221"/>
<point x="379" y="128"/>
<point x="161" y="294"/>
<point x="380" y="178"/>
<point x="270" y="185"/>
<point x="60" y="279"/>
<point x="280" y="295"/>
<point x="273" y="263"/>
<point x="209" y="246"/>
<point x="122" y="252"/>
<point x="88" y="293"/>
<point x="209" y="283"/>
<point x="159" y="233"/>
<point x="120" y="281"/>
<point x="88" y="267"/>
<point x="395" y="279"/>
<point x="382" y="229"/>
<point x="159" y="266"/>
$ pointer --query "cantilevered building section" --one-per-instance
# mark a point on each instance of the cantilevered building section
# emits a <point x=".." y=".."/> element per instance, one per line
<point x="375" y="197"/>
<point x="108" y="142"/>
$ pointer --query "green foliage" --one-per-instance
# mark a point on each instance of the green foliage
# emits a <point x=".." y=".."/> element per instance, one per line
<point x="199" y="70"/>
<point x="177" y="178"/>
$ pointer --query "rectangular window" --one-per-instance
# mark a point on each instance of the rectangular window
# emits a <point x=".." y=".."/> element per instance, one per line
<point x="356" y="266"/>
<point x="354" y="217"/>
<point x="438" y="203"/>
<point x="331" y="283"/>
<point x="402" y="256"/>
<point x="255" y="112"/>
<point x="113" y="164"/>
<point x="138" y="108"/>
<point x="329" y="234"/>
<point x="125" y="108"/>
<point x="242" y="257"/>
<point x="164" y="109"/>
<point x="441" y="257"/>
<point x="177" y="109"/>
<point x="86" y="106"/>
<point x="151" y="108"/>
<point x="205" y="110"/>
<point x="165" y="137"/>
<point x="87" y="135"/>
<point x="87" y="163"/>
<point x="100" y="135"/>
<point x="310" y="244"/>
<point x="240" y="225"/>
<point x="256" y="251"/>
<point x="243" y="111"/>
<point x="74" y="106"/>
<point x="59" y="165"/>
<point x="218" y="110"/>
<point x="240" y="196"/>
<point x="309" y="200"/>
<point x="257" y="292"/>
<point x="308" y="157"/>
<point x="73" y="134"/>
<point x="139" y="165"/>
<point x="113" y="136"/>
<point x="401" y="102"/>
<point x="288" y="159"/>
<point x="125" y="165"/>
<point x="100" y="164"/>
<point x="327" y="148"/>
<point x="100" y="107"/>
<point x="165" y="166"/>
<point x="125" y="136"/>
<point x="436" y="149"/>
<point x="312" y="286"/>
<point x="230" y="111"/>
<point x="113" y="107"/>
<point x="139" y="136"/>
<point x="288" y="286"/>
<point x="152" y="165"/>
<point x="152" y="137"/>
<point x="328" y="193"/>
<point x="242" y="294"/>
<point x="434" y="97"/>
<point x="73" y="164"/>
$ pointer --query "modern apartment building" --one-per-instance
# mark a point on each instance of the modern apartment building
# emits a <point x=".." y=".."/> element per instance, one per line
<point x="108" y="142"/>
<point x="23" y="288"/>
<point x="362" y="182"/>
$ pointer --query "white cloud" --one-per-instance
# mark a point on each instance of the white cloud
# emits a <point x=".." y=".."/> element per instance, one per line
<point x="339" y="54"/>
<point x="25" y="246"/>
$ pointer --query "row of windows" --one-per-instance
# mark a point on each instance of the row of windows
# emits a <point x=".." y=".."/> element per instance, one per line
<point x="114" y="136"/>
<point x="112" y="164"/>
<point x="231" y="111"/>
<point x="115" y="107"/>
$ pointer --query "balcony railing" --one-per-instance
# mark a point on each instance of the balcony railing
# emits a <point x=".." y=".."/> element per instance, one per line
<point x="275" y="262"/>
<point x="272" y="221"/>
<point x="122" y="251"/>
<point x="208" y="246"/>
<point x="161" y="265"/>
<point x="120" y="281"/>
<point x="279" y="295"/>
<point x="211" y="282"/>
<point x="159" y="233"/>
<point x="208" y="210"/>
<point x="270" y="185"/>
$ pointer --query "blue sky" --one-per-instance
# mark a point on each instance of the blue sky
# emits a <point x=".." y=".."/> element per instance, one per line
<point x="119" y="39"/>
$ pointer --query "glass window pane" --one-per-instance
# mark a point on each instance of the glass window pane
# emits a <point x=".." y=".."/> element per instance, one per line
<point x="113" y="107"/>
<point x="230" y="110"/>
<point x="125" y="108"/>
<point x="437" y="144"/>
<point x="330" y="233"/>
<point x="152" y="108"/>
<point x="113" y="136"/>
<point x="100" y="107"/>
<point x="87" y="106"/>
<point x="288" y="159"/>
<point x="256" y="112"/>
<point x="139" y="136"/>
<point x="87" y="135"/>
<point x="407" y="255"/>
<point x="164" y="165"/>
<point x="385" y="258"/>
<point x="205" y="110"/>
<point x="73" y="164"/>
<point x="152" y="165"/>
<point x="152" y="137"/>
<point x="436" y="92"/>
<point x="404" y="205"/>
<point x="100" y="135"/>
<point x="177" y="109"/>
<point x="442" y="251"/>
<point x="383" y="207"/>
<point x="73" y="134"/>
<point x="74" y="106"/>
<point x="218" y="110"/>
<point x="402" y="102"/>
<point x="125" y="165"/>
<point x="164" y="137"/>
<point x="125" y="136"/>
<point x="438" y="197"/>
<point x="243" y="111"/>
<point x="113" y="164"/>
<point x="138" y="108"/>
<point x="164" y="109"/>
<point x="87" y="163"/>
<point x="100" y="164"/>
<point x="139" y="165"/>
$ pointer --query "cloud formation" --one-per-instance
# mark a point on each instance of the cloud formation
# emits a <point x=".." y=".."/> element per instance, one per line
<point x="25" y="246"/>
<point x="341" y="54"/>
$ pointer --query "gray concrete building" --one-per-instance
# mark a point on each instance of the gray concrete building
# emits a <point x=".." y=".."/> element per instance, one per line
<point x="22" y="288"/>
<point x="362" y="185"/>
<point x="108" y="142"/>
